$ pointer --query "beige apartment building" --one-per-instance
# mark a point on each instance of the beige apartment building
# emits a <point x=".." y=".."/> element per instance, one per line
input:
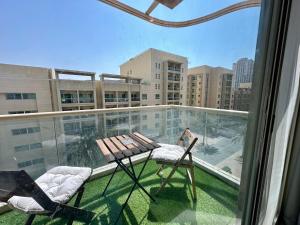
<point x="39" y="144"/>
<point x="164" y="76"/>
<point x="73" y="90"/>
<point x="115" y="91"/>
<point x="210" y="87"/>
<point x="24" y="89"/>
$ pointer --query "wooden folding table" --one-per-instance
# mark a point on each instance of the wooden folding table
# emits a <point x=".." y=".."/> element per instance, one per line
<point x="118" y="148"/>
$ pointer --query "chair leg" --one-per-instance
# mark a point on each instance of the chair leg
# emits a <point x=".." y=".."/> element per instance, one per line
<point x="30" y="219"/>
<point x="160" y="169"/>
<point x="193" y="182"/>
<point x="76" y="204"/>
<point x="167" y="179"/>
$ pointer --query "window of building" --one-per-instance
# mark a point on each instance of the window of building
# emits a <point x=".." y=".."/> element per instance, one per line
<point x="156" y="125"/>
<point x="35" y="146"/>
<point x="19" y="96"/>
<point x="144" y="96"/>
<point x="158" y="86"/>
<point x="29" y="130"/>
<point x="13" y="96"/>
<point x="21" y="148"/>
<point x="157" y="96"/>
<point x="29" y="96"/>
<point x="156" y="115"/>
<point x="181" y="96"/>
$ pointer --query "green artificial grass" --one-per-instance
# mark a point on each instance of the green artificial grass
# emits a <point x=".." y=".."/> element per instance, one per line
<point x="216" y="201"/>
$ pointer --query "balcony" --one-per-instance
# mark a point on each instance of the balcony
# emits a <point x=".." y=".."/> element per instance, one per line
<point x="86" y="100"/>
<point x="122" y="99"/>
<point x="221" y="137"/>
<point x="66" y="100"/>
<point x="110" y="99"/>
<point x="173" y="68"/>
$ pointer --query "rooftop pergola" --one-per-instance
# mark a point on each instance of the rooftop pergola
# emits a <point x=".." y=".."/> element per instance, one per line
<point x="171" y="4"/>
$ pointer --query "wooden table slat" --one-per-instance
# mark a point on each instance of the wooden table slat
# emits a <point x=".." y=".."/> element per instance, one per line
<point x="149" y="141"/>
<point x="141" y="142"/>
<point x="142" y="148"/>
<point x="113" y="148"/>
<point x="107" y="154"/>
<point x="131" y="147"/>
<point x="121" y="147"/>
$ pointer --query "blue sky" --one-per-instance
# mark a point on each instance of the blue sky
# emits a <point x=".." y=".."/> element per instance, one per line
<point x="89" y="35"/>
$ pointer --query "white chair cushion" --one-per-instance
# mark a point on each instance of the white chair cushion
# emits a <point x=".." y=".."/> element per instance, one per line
<point x="59" y="183"/>
<point x="168" y="153"/>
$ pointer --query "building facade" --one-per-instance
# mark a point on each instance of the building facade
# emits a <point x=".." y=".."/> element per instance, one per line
<point x="164" y="76"/>
<point x="24" y="89"/>
<point x="242" y="97"/>
<point x="70" y="94"/>
<point x="242" y="71"/>
<point x="210" y="87"/>
<point x="115" y="91"/>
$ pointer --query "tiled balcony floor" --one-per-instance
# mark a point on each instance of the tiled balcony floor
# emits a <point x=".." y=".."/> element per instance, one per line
<point x="216" y="201"/>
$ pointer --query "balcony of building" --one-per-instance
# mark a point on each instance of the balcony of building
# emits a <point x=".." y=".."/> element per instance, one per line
<point x="175" y="67"/>
<point x="68" y="97"/>
<point x="110" y="97"/>
<point x="135" y="97"/>
<point x="68" y="138"/>
<point x="86" y="97"/>
<point x="123" y="97"/>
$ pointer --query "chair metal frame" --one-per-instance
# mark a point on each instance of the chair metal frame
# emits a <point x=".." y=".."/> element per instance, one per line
<point x="182" y="162"/>
<point x="19" y="183"/>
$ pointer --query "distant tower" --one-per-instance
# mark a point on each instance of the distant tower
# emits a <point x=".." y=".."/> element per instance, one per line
<point x="243" y="71"/>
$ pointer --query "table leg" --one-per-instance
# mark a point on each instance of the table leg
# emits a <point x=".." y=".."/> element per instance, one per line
<point x="136" y="179"/>
<point x="103" y="193"/>
<point x="136" y="182"/>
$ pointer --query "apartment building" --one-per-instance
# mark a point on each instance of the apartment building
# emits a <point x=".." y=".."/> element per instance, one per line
<point x="25" y="89"/>
<point x="242" y="71"/>
<point x="115" y="91"/>
<point x="210" y="87"/>
<point x="242" y="97"/>
<point x="73" y="90"/>
<point x="164" y="76"/>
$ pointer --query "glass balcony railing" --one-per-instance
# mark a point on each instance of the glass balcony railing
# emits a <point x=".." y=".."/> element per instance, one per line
<point x="71" y="141"/>
<point x="86" y="100"/>
<point x="135" y="99"/>
<point x="69" y="100"/>
<point x="172" y="68"/>
<point x="110" y="99"/>
<point x="122" y="99"/>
